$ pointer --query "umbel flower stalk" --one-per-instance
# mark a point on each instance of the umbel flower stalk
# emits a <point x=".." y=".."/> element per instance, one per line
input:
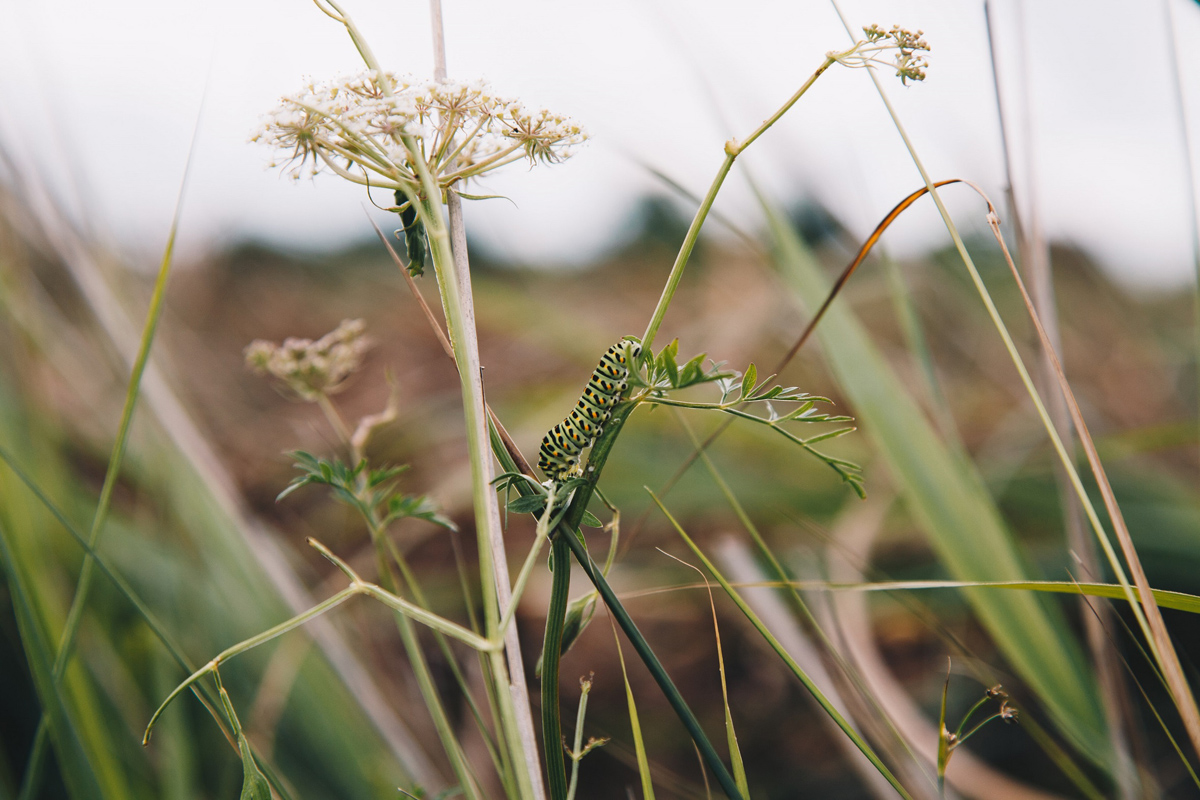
<point x="423" y="141"/>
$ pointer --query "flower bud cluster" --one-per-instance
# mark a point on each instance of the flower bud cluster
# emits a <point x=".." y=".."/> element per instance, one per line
<point x="312" y="369"/>
<point x="371" y="127"/>
<point x="907" y="46"/>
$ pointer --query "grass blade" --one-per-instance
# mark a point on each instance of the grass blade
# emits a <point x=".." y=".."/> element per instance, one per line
<point x="77" y="770"/>
<point x="948" y="499"/>
<point x="812" y="688"/>
<point x="639" y="744"/>
<point x="735" y="752"/>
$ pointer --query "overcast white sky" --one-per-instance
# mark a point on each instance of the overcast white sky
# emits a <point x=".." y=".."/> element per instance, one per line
<point x="104" y="97"/>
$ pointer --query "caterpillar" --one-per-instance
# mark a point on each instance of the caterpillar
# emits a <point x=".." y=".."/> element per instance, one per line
<point x="559" y="454"/>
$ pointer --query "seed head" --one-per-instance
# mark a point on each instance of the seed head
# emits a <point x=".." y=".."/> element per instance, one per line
<point x="312" y="369"/>
<point x="909" y="65"/>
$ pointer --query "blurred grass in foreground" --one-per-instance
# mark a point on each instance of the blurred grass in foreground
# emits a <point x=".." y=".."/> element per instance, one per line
<point x="186" y="555"/>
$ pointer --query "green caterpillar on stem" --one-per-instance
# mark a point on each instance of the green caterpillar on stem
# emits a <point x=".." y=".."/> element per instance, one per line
<point x="558" y="457"/>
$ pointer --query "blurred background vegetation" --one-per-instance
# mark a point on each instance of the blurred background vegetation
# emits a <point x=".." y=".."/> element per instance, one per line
<point x="195" y="528"/>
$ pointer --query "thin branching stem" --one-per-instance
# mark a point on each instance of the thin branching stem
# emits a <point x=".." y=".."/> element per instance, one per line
<point x="1147" y="613"/>
<point x="733" y="149"/>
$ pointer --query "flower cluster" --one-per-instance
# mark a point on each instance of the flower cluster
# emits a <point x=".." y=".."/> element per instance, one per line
<point x="312" y="369"/>
<point x="371" y="128"/>
<point x="908" y="63"/>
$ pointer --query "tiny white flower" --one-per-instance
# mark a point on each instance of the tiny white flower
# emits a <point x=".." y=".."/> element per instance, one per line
<point x="355" y="127"/>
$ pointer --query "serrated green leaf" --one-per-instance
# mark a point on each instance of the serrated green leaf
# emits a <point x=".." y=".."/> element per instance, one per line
<point x="749" y="379"/>
<point x="824" y="437"/>
<point x="293" y="486"/>
<point x="304" y="459"/>
<point x="436" y="519"/>
<point x="530" y="504"/>
<point x="804" y="410"/>
<point x="378" y="476"/>
<point x="666" y="360"/>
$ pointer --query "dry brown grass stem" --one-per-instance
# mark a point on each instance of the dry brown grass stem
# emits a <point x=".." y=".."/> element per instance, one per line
<point x="1168" y="659"/>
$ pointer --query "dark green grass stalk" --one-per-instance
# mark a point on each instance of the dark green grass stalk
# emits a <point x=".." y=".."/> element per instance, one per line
<point x="707" y="752"/>
<point x="567" y="532"/>
<point x="812" y="688"/>
<point x="556" y="772"/>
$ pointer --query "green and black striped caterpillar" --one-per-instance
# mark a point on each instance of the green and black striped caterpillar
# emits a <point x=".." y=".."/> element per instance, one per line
<point x="559" y="454"/>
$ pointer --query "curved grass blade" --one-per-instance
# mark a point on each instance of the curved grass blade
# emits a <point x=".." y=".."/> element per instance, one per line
<point x="1179" y="601"/>
<point x="639" y="744"/>
<point x="812" y="688"/>
<point x="735" y="751"/>
<point x="948" y="499"/>
<point x="77" y="771"/>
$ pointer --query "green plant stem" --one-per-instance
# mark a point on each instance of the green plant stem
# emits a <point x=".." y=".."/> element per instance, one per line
<point x="443" y="643"/>
<point x="966" y="717"/>
<point x="551" y="657"/>
<point x="577" y="751"/>
<point x="685" y="252"/>
<point x="420" y="667"/>
<point x="599" y="455"/>
<point x="971" y="732"/>
<point x="657" y="671"/>
<point x="736" y="148"/>
<point x="254" y="641"/>
<point x="484" y="500"/>
<point x="733" y="149"/>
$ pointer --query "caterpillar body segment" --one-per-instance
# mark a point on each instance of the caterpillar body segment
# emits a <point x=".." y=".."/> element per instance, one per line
<point x="559" y="453"/>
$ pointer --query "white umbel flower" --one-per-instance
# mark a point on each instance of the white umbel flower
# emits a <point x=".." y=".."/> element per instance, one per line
<point x="365" y="126"/>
